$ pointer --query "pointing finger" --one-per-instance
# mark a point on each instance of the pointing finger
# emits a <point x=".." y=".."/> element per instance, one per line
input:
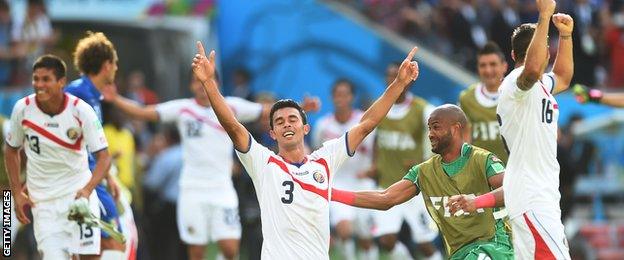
<point x="200" y="48"/>
<point x="411" y="54"/>
<point x="211" y="58"/>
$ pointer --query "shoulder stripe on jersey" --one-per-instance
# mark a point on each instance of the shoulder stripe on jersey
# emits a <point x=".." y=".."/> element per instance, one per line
<point x="552" y="90"/>
<point x="52" y="137"/>
<point x="76" y="101"/>
<point x="27" y="100"/>
<point x="201" y="119"/>
<point x="305" y="186"/>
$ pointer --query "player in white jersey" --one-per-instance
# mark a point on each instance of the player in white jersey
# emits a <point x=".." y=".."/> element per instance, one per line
<point x="528" y="114"/>
<point x="294" y="189"/>
<point x="59" y="131"/>
<point x="348" y="220"/>
<point x="207" y="208"/>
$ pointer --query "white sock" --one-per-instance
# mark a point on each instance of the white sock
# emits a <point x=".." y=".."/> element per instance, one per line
<point x="112" y="255"/>
<point x="370" y="254"/>
<point x="436" y="256"/>
<point x="400" y="252"/>
<point x="347" y="249"/>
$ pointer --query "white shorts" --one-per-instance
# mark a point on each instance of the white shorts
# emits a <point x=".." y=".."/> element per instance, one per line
<point x="55" y="233"/>
<point x="537" y="235"/>
<point x="201" y="222"/>
<point x="414" y="213"/>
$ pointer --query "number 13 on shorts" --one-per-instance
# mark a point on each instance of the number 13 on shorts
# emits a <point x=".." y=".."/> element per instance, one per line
<point x="85" y="239"/>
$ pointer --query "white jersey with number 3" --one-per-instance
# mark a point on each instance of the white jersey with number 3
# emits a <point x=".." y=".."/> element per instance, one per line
<point x="294" y="199"/>
<point x="56" y="145"/>
<point x="529" y="128"/>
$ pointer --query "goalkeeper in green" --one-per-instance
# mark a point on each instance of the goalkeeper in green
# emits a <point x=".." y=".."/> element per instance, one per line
<point x="457" y="168"/>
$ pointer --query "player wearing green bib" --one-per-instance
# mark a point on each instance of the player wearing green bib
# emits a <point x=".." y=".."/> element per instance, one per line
<point x="457" y="168"/>
<point x="479" y="100"/>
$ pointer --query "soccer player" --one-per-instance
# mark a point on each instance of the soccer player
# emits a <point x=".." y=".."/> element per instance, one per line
<point x="456" y="167"/>
<point x="58" y="130"/>
<point x="401" y="142"/>
<point x="96" y="59"/>
<point x="528" y="114"/>
<point x="479" y="100"/>
<point x="294" y="189"/>
<point x="348" y="220"/>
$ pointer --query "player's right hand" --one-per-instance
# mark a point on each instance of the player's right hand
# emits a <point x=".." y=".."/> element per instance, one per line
<point x="546" y="8"/>
<point x="583" y="94"/>
<point x="461" y="203"/>
<point x="203" y="67"/>
<point x="22" y="201"/>
<point x="408" y="71"/>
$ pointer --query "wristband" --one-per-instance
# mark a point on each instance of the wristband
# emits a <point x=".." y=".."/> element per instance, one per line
<point x="343" y="196"/>
<point x="485" y="201"/>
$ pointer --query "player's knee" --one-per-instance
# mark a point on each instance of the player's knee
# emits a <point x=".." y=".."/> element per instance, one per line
<point x="365" y="244"/>
<point x="387" y="242"/>
<point x="229" y="248"/>
<point x="428" y="249"/>
<point x="344" y="230"/>
<point x="196" y="252"/>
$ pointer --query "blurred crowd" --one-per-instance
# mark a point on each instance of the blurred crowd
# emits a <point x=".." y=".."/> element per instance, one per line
<point x="456" y="29"/>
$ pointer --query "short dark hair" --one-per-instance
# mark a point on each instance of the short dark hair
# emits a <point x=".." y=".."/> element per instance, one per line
<point x="491" y="48"/>
<point x="520" y="40"/>
<point x="92" y="51"/>
<point x="51" y="62"/>
<point x="341" y="81"/>
<point x="283" y="103"/>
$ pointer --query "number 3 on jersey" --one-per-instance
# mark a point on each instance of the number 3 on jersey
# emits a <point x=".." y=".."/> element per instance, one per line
<point x="33" y="143"/>
<point x="288" y="192"/>
<point x="547" y="111"/>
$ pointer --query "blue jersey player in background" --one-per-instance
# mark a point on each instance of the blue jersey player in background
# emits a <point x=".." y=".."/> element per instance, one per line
<point x="96" y="59"/>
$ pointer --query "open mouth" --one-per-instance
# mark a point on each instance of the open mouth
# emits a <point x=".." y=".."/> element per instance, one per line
<point x="40" y="91"/>
<point x="288" y="134"/>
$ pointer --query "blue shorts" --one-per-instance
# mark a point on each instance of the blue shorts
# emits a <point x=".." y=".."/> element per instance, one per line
<point x="108" y="208"/>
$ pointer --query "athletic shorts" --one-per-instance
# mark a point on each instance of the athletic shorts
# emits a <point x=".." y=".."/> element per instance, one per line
<point x="54" y="232"/>
<point x="539" y="235"/>
<point x="201" y="222"/>
<point x="414" y="213"/>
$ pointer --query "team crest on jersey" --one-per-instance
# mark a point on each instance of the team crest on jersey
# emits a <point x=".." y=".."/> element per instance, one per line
<point x="73" y="133"/>
<point x="318" y="177"/>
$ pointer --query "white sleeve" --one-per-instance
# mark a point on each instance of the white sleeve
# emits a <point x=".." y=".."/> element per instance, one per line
<point x="335" y="152"/>
<point x="92" y="130"/>
<point x="15" y="135"/>
<point x="245" y="111"/>
<point x="426" y="143"/>
<point x="548" y="79"/>
<point x="170" y="111"/>
<point x="255" y="159"/>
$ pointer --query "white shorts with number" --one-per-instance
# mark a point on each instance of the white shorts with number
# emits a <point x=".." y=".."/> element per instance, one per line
<point x="538" y="235"/>
<point x="54" y="232"/>
<point x="362" y="219"/>
<point x="201" y="222"/>
<point x="414" y="213"/>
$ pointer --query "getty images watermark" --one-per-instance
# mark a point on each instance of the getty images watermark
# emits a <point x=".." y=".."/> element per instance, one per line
<point x="6" y="223"/>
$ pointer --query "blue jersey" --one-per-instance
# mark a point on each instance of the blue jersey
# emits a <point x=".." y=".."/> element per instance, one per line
<point x="85" y="90"/>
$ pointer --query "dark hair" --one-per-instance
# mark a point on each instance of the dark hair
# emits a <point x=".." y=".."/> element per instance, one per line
<point x="283" y="103"/>
<point x="92" y="51"/>
<point x="520" y="40"/>
<point x="491" y="48"/>
<point x="341" y="81"/>
<point x="53" y="63"/>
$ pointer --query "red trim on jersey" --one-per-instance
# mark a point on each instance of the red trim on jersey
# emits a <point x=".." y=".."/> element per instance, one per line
<point x="305" y="186"/>
<point x="556" y="106"/>
<point x="76" y="101"/>
<point x="27" y="100"/>
<point x="201" y="119"/>
<point x="65" y="101"/>
<point x="52" y="137"/>
<point x="544" y="89"/>
<point x="79" y="121"/>
<point x="542" y="251"/>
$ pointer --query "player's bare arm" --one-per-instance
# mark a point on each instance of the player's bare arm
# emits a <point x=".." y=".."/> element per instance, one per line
<point x="396" y="194"/>
<point x="408" y="72"/>
<point x="12" y="162"/>
<point x="103" y="163"/>
<point x="204" y="70"/>
<point x="470" y="203"/>
<point x="537" y="52"/>
<point x="564" y="62"/>
<point x="128" y="106"/>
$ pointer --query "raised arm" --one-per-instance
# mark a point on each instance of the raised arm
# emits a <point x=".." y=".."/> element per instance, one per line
<point x="204" y="70"/>
<point x="537" y="52"/>
<point x="564" y="62"/>
<point x="134" y="109"/>
<point x="396" y="194"/>
<point x="408" y="72"/>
